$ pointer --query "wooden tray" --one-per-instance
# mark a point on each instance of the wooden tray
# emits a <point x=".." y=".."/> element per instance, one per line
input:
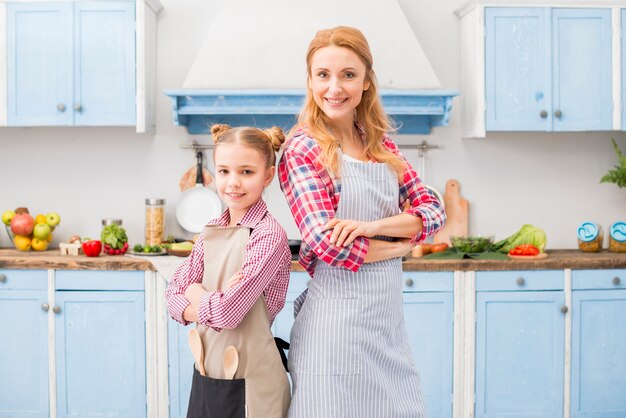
<point x="178" y="253"/>
<point x="528" y="257"/>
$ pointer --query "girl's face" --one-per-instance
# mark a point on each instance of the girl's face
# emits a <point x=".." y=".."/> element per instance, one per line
<point x="337" y="81"/>
<point x="241" y="177"/>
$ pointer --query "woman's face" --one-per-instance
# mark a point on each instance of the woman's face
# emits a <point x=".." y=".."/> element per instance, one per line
<point x="337" y="81"/>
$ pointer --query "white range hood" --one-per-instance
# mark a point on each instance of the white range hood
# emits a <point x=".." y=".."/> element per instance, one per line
<point x="251" y="66"/>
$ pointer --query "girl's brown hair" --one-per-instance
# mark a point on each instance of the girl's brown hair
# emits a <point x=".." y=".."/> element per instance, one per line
<point x="267" y="142"/>
<point x="370" y="115"/>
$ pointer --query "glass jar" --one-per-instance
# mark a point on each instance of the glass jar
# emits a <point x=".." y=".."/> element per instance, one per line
<point x="590" y="237"/>
<point x="617" y="237"/>
<point x="155" y="221"/>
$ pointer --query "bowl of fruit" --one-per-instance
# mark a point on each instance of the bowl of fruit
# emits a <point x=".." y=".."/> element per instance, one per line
<point x="27" y="232"/>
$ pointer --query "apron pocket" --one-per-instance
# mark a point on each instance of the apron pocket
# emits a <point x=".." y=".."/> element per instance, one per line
<point x="326" y="338"/>
<point x="216" y="398"/>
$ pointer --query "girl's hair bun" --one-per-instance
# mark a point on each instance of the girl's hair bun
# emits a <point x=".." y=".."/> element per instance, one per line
<point x="276" y="136"/>
<point x="217" y="130"/>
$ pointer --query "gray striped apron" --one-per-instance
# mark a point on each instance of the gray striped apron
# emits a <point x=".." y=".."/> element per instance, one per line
<point x="350" y="355"/>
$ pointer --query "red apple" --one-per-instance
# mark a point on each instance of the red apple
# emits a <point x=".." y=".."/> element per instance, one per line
<point x="22" y="224"/>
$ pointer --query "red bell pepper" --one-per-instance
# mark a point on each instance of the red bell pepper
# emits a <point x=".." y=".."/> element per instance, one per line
<point x="92" y="248"/>
<point x="524" y="249"/>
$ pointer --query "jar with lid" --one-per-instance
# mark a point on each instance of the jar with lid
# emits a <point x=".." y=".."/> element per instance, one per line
<point x="590" y="237"/>
<point x="617" y="237"/>
<point x="111" y="221"/>
<point x="155" y="221"/>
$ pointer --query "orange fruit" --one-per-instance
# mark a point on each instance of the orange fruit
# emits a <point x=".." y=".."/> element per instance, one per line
<point x="22" y="242"/>
<point x="39" y="244"/>
<point x="40" y="219"/>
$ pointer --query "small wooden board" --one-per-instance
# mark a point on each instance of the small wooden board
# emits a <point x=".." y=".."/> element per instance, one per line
<point x="457" y="210"/>
<point x="528" y="257"/>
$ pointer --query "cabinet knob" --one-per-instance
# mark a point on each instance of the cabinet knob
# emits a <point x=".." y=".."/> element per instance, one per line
<point x="543" y="114"/>
<point x="45" y="307"/>
<point x="61" y="107"/>
<point x="616" y="281"/>
<point x="520" y="281"/>
<point x="78" y="107"/>
<point x="56" y="309"/>
<point x="408" y="282"/>
<point x="558" y="113"/>
<point x="3" y="278"/>
<point x="564" y="309"/>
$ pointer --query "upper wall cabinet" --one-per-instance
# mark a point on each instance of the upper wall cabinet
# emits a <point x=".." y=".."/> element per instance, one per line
<point x="540" y="69"/>
<point x="80" y="63"/>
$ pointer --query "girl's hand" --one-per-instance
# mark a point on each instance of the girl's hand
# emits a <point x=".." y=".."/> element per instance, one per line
<point x="194" y="294"/>
<point x="345" y="231"/>
<point x="234" y="280"/>
<point x="190" y="314"/>
<point x="404" y="246"/>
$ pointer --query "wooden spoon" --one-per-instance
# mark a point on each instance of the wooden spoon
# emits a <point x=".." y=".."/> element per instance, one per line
<point x="231" y="362"/>
<point x="195" y="342"/>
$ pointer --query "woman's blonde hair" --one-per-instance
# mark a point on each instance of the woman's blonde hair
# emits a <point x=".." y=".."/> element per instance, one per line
<point x="267" y="142"/>
<point x="370" y="115"/>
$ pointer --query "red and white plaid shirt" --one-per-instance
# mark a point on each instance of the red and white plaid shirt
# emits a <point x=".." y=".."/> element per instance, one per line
<point x="266" y="269"/>
<point x="313" y="195"/>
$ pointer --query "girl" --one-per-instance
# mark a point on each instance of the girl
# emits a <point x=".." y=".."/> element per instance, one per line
<point x="347" y="184"/>
<point x="234" y="283"/>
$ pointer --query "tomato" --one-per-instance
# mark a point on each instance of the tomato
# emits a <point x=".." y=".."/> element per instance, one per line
<point x="524" y="249"/>
<point x="437" y="248"/>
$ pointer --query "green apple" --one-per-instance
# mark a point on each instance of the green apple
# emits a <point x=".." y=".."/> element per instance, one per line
<point x="42" y="231"/>
<point x="7" y="216"/>
<point x="53" y="219"/>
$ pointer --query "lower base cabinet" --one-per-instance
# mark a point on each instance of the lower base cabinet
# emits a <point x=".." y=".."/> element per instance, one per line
<point x="598" y="344"/>
<point x="98" y="340"/>
<point x="520" y="346"/>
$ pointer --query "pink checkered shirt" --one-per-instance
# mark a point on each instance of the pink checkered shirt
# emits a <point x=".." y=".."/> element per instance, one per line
<point x="266" y="271"/>
<point x="313" y="195"/>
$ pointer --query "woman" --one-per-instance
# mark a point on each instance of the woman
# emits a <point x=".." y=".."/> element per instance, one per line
<point x="346" y="183"/>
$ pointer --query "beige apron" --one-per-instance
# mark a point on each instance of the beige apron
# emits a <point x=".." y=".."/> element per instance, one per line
<point x="267" y="392"/>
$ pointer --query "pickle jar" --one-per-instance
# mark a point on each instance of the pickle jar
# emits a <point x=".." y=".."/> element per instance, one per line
<point x="155" y="221"/>
<point x="590" y="237"/>
<point x="617" y="237"/>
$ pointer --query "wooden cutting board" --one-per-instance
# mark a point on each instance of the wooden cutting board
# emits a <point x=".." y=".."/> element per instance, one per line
<point x="457" y="210"/>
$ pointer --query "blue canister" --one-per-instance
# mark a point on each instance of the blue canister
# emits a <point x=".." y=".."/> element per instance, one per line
<point x="590" y="237"/>
<point x="617" y="237"/>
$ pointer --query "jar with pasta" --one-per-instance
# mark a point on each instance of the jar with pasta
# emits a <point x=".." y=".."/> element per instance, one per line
<point x="617" y="237"/>
<point x="155" y="221"/>
<point x="590" y="237"/>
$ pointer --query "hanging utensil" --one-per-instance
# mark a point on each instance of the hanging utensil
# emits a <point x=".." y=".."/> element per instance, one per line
<point x="231" y="362"/>
<point x="199" y="204"/>
<point x="195" y="343"/>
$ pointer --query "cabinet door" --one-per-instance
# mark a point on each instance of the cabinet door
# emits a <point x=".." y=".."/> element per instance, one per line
<point x="100" y="354"/>
<point x="517" y="69"/>
<point x="104" y="63"/>
<point x="23" y="345"/>
<point x="180" y="368"/>
<point x="429" y="323"/>
<point x="519" y="354"/>
<point x="623" y="70"/>
<point x="39" y="61"/>
<point x="582" y="81"/>
<point x="598" y="347"/>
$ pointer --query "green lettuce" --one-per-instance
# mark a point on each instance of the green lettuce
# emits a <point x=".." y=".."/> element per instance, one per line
<point x="528" y="234"/>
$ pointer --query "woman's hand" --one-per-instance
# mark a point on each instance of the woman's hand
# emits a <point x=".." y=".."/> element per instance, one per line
<point x="234" y="280"/>
<point x="346" y="230"/>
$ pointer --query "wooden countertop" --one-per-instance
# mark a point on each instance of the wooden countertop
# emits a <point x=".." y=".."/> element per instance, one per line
<point x="556" y="260"/>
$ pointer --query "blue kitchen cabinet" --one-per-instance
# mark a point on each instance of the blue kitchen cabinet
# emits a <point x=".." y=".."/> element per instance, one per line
<point x="23" y="344"/>
<point x="100" y="344"/>
<point x="519" y="344"/>
<point x="428" y="301"/>
<point x="71" y="63"/>
<point x="598" y="344"/>
<point x="548" y="69"/>
<point x="180" y="368"/>
<point x="623" y="31"/>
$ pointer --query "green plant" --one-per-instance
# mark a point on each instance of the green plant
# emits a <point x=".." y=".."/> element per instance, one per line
<point x="618" y="174"/>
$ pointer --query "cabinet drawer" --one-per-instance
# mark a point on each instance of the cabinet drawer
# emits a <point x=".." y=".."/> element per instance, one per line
<point x="99" y="280"/>
<point x="23" y="279"/>
<point x="418" y="281"/>
<point x="519" y="280"/>
<point x="598" y="279"/>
